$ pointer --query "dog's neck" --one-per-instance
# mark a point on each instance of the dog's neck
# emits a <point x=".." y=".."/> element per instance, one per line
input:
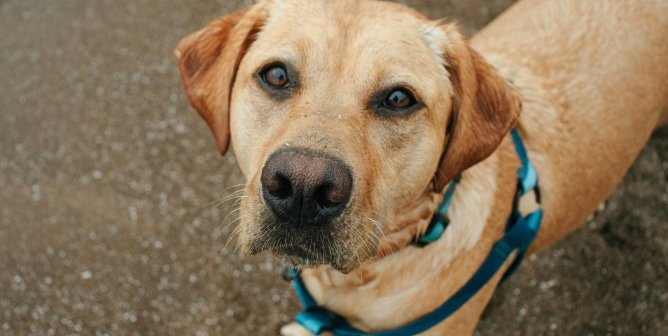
<point x="478" y="212"/>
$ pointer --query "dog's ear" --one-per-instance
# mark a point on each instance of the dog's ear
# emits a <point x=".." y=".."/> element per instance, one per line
<point x="484" y="108"/>
<point x="208" y="61"/>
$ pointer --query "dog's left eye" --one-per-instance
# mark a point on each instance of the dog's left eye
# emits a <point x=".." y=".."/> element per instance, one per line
<point x="399" y="99"/>
<point x="395" y="102"/>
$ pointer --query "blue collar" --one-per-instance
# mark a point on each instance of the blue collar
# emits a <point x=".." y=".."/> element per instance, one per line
<point x="520" y="232"/>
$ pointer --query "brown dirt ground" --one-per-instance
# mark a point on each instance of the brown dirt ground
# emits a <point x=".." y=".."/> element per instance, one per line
<point x="110" y="190"/>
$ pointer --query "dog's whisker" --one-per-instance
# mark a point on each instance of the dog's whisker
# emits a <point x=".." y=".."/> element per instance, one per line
<point x="224" y="192"/>
<point x="222" y="229"/>
<point x="233" y="199"/>
<point x="236" y="221"/>
<point x="378" y="234"/>
<point x="240" y="186"/>
<point x="367" y="251"/>
<point x="231" y="213"/>
<point x="235" y="232"/>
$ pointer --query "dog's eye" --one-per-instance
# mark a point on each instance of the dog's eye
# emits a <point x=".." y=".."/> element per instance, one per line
<point x="399" y="99"/>
<point x="275" y="76"/>
<point x="395" y="102"/>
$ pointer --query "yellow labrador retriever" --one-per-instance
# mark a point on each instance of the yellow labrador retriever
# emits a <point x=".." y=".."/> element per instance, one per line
<point x="349" y="119"/>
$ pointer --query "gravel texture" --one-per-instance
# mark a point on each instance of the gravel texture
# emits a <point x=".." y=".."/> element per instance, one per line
<point x="114" y="203"/>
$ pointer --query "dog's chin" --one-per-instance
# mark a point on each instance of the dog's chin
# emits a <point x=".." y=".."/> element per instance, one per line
<point x="302" y="259"/>
<point x="302" y="256"/>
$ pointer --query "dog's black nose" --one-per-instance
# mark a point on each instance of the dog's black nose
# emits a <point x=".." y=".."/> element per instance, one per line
<point x="304" y="187"/>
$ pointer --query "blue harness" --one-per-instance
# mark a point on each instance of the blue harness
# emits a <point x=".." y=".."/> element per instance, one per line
<point x="520" y="231"/>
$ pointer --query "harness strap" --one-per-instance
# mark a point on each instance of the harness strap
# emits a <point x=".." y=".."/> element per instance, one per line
<point x="520" y="232"/>
<point x="440" y="220"/>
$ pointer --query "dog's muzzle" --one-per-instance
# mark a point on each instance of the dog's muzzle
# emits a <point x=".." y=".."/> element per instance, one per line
<point x="306" y="194"/>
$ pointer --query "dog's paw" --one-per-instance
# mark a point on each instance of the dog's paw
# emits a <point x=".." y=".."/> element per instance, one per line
<point x="294" y="329"/>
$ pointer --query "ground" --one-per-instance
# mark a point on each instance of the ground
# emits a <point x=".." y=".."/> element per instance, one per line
<point x="111" y="191"/>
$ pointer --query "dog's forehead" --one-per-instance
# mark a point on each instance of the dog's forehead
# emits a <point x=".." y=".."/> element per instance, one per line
<point x="331" y="23"/>
<point x="340" y="9"/>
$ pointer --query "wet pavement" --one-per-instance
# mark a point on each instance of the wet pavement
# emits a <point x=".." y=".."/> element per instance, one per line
<point x="115" y="207"/>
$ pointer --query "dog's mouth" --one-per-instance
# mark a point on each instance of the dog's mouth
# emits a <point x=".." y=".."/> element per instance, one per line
<point x="306" y="247"/>
<point x="300" y="257"/>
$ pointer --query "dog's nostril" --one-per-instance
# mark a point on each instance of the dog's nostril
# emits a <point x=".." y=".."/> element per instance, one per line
<point x="326" y="197"/>
<point x="322" y="197"/>
<point x="279" y="187"/>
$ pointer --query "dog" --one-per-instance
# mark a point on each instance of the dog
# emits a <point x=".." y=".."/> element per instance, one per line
<point x="349" y="119"/>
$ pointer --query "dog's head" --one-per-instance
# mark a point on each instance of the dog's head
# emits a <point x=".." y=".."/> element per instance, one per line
<point x="341" y="113"/>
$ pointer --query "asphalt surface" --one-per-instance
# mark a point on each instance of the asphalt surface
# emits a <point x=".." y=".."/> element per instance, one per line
<point x="114" y="203"/>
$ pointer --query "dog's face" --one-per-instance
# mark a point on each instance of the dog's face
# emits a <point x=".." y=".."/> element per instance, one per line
<point x="341" y="114"/>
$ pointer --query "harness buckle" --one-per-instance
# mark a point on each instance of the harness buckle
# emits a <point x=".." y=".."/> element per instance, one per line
<point x="527" y="186"/>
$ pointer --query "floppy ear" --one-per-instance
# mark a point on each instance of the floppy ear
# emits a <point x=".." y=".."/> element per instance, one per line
<point x="209" y="60"/>
<point x="484" y="108"/>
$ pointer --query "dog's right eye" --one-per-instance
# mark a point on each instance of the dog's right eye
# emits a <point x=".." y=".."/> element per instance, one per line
<point x="276" y="76"/>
